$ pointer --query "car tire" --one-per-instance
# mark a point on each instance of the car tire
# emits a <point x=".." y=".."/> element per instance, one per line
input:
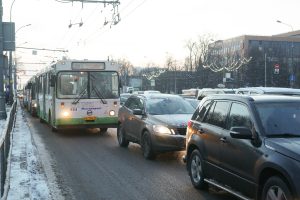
<point x="147" y="148"/>
<point x="195" y="169"/>
<point x="121" y="136"/>
<point x="277" y="188"/>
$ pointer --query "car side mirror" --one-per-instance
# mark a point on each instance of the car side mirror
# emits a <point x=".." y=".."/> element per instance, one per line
<point x="240" y="132"/>
<point x="137" y="112"/>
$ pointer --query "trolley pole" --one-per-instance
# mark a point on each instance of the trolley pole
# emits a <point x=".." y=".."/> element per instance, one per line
<point x="2" y="96"/>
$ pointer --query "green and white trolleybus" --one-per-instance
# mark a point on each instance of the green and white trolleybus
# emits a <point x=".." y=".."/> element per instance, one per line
<point x="79" y="94"/>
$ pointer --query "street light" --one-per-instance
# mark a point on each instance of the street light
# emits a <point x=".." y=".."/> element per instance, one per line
<point x="265" y="57"/>
<point x="22" y="27"/>
<point x="10" y="100"/>
<point x="285" y="24"/>
<point x="292" y="52"/>
<point x="10" y="70"/>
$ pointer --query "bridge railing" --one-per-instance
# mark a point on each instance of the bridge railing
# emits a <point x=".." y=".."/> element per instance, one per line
<point x="5" y="144"/>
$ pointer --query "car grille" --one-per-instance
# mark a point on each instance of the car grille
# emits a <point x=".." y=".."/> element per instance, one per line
<point x="181" y="131"/>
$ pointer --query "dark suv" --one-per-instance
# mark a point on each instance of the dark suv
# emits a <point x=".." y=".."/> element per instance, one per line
<point x="246" y="145"/>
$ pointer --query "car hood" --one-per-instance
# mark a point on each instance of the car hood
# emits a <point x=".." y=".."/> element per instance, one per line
<point x="286" y="146"/>
<point x="178" y="120"/>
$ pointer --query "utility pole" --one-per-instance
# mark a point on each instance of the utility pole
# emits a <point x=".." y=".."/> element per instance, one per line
<point x="10" y="74"/>
<point x="2" y="97"/>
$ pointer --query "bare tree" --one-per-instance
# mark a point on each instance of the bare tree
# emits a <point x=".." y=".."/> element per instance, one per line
<point x="190" y="44"/>
<point x="126" y="69"/>
<point x="198" y="51"/>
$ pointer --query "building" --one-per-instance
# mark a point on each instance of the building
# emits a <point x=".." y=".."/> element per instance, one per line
<point x="259" y="60"/>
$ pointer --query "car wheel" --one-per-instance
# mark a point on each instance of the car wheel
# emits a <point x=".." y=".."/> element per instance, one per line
<point x="276" y="188"/>
<point x="121" y="135"/>
<point x="195" y="168"/>
<point x="148" y="152"/>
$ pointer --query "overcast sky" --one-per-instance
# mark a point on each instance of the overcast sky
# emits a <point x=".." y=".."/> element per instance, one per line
<point x="148" y="31"/>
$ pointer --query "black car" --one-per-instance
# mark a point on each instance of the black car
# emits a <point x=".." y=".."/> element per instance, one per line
<point x="157" y="122"/>
<point x="246" y="145"/>
<point x="124" y="97"/>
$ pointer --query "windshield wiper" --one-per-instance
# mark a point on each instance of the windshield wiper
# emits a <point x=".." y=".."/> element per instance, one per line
<point x="283" y="135"/>
<point x="77" y="99"/>
<point x="100" y="96"/>
<point x="98" y="93"/>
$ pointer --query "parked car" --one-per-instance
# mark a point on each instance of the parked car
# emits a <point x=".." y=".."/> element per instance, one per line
<point x="157" y="122"/>
<point x="194" y="102"/>
<point x="268" y="90"/>
<point x="229" y="90"/>
<point x="246" y="145"/>
<point x="208" y="91"/>
<point x="124" y="97"/>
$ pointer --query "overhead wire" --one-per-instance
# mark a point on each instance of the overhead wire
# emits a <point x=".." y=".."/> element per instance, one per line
<point x="91" y="37"/>
<point x="69" y="30"/>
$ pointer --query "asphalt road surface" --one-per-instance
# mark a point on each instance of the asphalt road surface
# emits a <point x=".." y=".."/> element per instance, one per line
<point x="84" y="164"/>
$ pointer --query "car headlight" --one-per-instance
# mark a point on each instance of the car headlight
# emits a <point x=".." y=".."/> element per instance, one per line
<point x="162" y="129"/>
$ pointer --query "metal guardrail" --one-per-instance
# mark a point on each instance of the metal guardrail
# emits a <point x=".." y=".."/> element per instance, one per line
<point x="5" y="143"/>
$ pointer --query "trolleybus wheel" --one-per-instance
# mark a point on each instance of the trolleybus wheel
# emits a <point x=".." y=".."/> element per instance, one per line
<point x="103" y="130"/>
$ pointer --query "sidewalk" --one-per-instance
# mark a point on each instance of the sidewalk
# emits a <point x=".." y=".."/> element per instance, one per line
<point x="27" y="179"/>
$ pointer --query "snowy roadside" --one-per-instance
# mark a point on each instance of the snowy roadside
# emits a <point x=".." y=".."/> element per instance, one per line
<point x="27" y="179"/>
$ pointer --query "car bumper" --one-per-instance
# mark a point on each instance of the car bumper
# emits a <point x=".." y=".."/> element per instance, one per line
<point x="162" y="142"/>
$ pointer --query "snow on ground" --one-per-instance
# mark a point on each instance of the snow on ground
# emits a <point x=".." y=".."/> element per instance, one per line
<point x="27" y="178"/>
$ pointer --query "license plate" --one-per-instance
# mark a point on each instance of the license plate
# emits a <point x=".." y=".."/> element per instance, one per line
<point x="90" y="118"/>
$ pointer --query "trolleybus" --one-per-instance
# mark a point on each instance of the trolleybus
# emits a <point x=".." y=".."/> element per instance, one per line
<point x="30" y="96"/>
<point x="79" y="94"/>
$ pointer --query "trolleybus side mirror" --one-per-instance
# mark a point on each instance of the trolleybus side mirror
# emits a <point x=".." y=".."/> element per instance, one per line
<point x="28" y="87"/>
<point x="52" y="80"/>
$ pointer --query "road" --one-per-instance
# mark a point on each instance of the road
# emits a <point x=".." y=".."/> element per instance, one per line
<point x="88" y="165"/>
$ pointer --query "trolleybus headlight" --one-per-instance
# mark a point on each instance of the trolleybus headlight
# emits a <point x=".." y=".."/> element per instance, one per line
<point x="66" y="114"/>
<point x="112" y="113"/>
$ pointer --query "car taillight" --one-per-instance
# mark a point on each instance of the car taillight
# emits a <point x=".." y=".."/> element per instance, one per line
<point x="189" y="124"/>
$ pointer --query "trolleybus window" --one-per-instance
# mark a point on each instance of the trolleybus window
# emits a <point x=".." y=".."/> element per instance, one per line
<point x="72" y="84"/>
<point x="104" y="85"/>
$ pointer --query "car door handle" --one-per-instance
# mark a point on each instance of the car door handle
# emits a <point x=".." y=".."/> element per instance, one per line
<point x="223" y="139"/>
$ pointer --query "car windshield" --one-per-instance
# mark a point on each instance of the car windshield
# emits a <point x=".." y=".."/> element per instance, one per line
<point x="280" y="118"/>
<point x="193" y="102"/>
<point x="168" y="105"/>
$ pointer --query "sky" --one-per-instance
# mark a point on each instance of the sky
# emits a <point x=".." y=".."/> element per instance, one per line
<point x="148" y="32"/>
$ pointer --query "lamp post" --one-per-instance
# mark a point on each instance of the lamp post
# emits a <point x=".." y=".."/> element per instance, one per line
<point x="265" y="69"/>
<point x="292" y="80"/>
<point x="260" y="48"/>
<point x="15" y="64"/>
<point x="11" y="73"/>
<point x="10" y="99"/>
<point x="2" y="97"/>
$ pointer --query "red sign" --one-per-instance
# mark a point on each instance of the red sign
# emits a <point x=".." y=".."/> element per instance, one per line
<point x="276" y="65"/>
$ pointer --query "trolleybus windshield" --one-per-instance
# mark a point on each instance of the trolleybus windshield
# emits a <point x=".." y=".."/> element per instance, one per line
<point x="98" y="84"/>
